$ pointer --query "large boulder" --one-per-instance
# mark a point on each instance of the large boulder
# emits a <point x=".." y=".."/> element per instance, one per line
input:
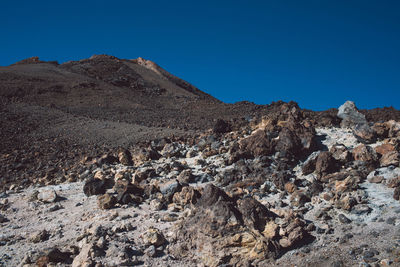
<point x="288" y="136"/>
<point x="224" y="231"/>
<point x="353" y="119"/>
<point x="350" y="115"/>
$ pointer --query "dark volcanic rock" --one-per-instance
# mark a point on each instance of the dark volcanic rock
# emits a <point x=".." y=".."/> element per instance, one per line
<point x="258" y="144"/>
<point x="221" y="126"/>
<point x="94" y="187"/>
<point x="287" y="135"/>
<point x="106" y="201"/>
<point x="325" y="164"/>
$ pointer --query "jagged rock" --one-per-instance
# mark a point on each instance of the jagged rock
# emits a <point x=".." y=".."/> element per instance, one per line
<point x="83" y="259"/>
<point x="106" y="201"/>
<point x="94" y="187"/>
<point x="355" y="120"/>
<point x="343" y="219"/>
<point x="171" y="150"/>
<point x="186" y="177"/>
<point x="107" y="159"/>
<point x="346" y="202"/>
<point x="364" y="133"/>
<point x="39" y="236"/>
<point x="394" y="128"/>
<point x="381" y="130"/>
<point x="385" y="148"/>
<point x="350" y="115"/>
<point x="153" y="236"/>
<point x="187" y="196"/>
<point x="394" y="182"/>
<point x="142" y="174"/>
<point x="54" y="255"/>
<point x="221" y="126"/>
<point x="143" y="155"/>
<point x="258" y="144"/>
<point x="390" y="158"/>
<point x="348" y="184"/>
<point x="299" y="198"/>
<point x="127" y="192"/>
<point x="47" y="196"/>
<point x="309" y="166"/>
<point x="219" y="226"/>
<point x="341" y="153"/>
<point x="365" y="153"/>
<point x="325" y="164"/>
<point x="168" y="189"/>
<point x="125" y="157"/>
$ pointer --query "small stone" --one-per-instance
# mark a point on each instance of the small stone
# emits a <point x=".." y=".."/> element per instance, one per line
<point x="125" y="157"/>
<point x="156" y="205"/>
<point x="3" y="219"/>
<point x="55" y="255"/>
<point x="39" y="236"/>
<point x="106" y="201"/>
<point x="376" y="179"/>
<point x="290" y="187"/>
<point x="151" y="251"/>
<point x="368" y="254"/>
<point x="55" y="208"/>
<point x="344" y="219"/>
<point x="153" y="236"/>
<point x="47" y="196"/>
<point x="94" y="187"/>
<point x="170" y="217"/>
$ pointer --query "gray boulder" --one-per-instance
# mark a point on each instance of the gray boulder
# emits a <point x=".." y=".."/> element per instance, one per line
<point x="350" y="115"/>
<point x="352" y="118"/>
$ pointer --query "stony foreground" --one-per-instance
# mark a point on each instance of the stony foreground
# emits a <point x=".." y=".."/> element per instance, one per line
<point x="276" y="192"/>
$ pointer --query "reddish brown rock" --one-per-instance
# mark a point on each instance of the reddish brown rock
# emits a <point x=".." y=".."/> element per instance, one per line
<point x="384" y="148"/>
<point x="106" y="201"/>
<point x="340" y="153"/>
<point x="390" y="158"/>
<point x="392" y="183"/>
<point x="244" y="229"/>
<point x="258" y="144"/>
<point x="364" y="133"/>
<point x="366" y="154"/>
<point x="381" y="130"/>
<point x="125" y="157"/>
<point x="290" y="187"/>
<point x="325" y="164"/>
<point x="187" y="196"/>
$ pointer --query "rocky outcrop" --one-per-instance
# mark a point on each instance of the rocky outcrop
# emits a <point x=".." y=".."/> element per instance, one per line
<point x="225" y="231"/>
<point x="352" y="118"/>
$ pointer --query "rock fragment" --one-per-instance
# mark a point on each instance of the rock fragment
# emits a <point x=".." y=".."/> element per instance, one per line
<point x="106" y="201"/>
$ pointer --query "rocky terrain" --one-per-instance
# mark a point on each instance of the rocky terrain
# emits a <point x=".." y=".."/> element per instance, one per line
<point x="165" y="175"/>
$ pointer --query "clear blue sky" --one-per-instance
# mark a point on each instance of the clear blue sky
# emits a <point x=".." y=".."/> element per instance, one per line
<point x="317" y="53"/>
